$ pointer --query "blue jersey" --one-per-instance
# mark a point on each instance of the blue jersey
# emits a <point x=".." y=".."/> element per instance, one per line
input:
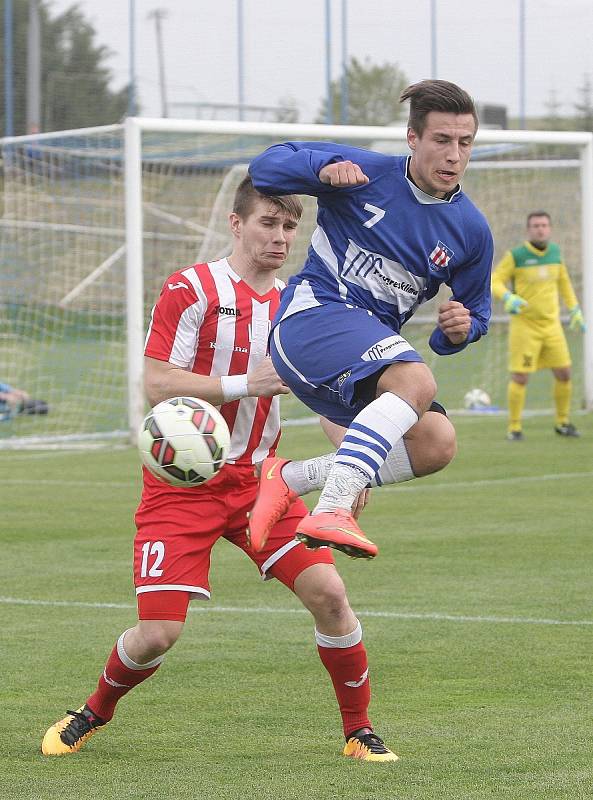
<point x="384" y="246"/>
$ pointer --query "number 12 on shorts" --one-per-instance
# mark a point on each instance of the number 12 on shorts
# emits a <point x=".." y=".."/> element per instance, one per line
<point x="156" y="552"/>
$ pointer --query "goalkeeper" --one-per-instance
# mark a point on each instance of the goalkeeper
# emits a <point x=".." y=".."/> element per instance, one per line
<point x="529" y="280"/>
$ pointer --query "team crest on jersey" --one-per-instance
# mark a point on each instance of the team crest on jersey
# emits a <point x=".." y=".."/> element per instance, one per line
<point x="440" y="256"/>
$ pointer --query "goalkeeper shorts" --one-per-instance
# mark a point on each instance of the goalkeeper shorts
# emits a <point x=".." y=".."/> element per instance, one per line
<point x="534" y="346"/>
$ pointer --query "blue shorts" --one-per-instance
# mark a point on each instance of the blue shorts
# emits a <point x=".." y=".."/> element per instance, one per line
<point x="323" y="352"/>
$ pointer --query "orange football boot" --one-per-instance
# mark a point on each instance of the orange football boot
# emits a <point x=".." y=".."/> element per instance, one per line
<point x="273" y="501"/>
<point x="336" y="529"/>
<point x="368" y="747"/>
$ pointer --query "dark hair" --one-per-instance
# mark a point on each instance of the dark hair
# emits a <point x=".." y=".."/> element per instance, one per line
<point x="434" y="95"/>
<point x="247" y="195"/>
<point x="538" y="214"/>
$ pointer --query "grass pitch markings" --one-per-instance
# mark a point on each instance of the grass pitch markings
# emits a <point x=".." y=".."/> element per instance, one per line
<point x="429" y="616"/>
<point x="400" y="487"/>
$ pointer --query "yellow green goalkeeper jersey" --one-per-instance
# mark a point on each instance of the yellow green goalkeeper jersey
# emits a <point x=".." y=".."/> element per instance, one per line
<point x="539" y="277"/>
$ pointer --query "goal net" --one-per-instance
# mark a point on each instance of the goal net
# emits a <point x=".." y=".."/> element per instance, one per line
<point x="93" y="221"/>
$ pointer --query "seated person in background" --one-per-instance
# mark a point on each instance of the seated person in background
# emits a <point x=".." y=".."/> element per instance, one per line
<point x="16" y="401"/>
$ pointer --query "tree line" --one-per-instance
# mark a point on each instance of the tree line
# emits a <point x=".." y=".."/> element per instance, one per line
<point x="75" y="78"/>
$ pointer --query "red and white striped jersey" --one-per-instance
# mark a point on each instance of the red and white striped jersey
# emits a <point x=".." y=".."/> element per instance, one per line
<point x="209" y="321"/>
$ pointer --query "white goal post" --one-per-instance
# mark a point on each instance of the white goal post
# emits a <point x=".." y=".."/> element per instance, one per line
<point x="92" y="221"/>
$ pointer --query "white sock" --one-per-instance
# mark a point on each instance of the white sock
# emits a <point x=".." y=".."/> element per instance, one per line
<point x="343" y="485"/>
<point x="397" y="467"/>
<point x="364" y="449"/>
<point x="311" y="474"/>
<point x="308" y="475"/>
<point x="127" y="661"/>
<point x="348" y="640"/>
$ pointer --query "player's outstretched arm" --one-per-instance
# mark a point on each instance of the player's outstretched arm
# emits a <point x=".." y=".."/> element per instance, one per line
<point x="298" y="167"/>
<point x="163" y="380"/>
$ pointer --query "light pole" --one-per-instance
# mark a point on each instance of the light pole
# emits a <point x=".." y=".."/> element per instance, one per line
<point x="34" y="69"/>
<point x="159" y="14"/>
<point x="132" y="58"/>
<point x="522" y="64"/>
<point x="345" y="97"/>
<point x="433" y="38"/>
<point x="8" y="70"/>
<point x="329" y="111"/>
<point x="240" y="56"/>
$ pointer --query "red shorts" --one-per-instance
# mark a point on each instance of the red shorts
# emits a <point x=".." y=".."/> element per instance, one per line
<point x="177" y="530"/>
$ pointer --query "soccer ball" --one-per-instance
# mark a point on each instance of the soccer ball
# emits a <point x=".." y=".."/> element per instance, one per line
<point x="476" y="399"/>
<point x="184" y="441"/>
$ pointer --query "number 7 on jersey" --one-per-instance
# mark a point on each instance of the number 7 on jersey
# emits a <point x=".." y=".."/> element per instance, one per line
<point x="378" y="214"/>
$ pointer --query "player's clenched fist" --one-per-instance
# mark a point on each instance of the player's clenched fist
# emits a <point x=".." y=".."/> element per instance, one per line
<point x="263" y="380"/>
<point x="454" y="320"/>
<point x="343" y="173"/>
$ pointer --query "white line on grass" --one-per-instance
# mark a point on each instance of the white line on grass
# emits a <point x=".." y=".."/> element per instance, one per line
<point x="79" y="484"/>
<point x="486" y="482"/>
<point x="415" y="487"/>
<point x="430" y="616"/>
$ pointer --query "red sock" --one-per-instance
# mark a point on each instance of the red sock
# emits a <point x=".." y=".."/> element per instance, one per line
<point x="348" y="669"/>
<point x="117" y="680"/>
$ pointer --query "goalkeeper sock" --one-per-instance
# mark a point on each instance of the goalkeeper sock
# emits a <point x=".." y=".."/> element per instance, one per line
<point x="562" y="398"/>
<point x="119" y="676"/>
<point x="345" y="658"/>
<point x="516" y="393"/>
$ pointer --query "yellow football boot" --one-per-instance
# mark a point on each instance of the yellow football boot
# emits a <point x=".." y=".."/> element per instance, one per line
<point x="68" y="735"/>
<point x="368" y="747"/>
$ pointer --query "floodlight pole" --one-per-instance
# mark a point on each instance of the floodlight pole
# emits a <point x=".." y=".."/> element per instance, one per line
<point x="132" y="58"/>
<point x="345" y="97"/>
<point x="240" y="58"/>
<point x="329" y="111"/>
<point x="433" y="38"/>
<point x="158" y="15"/>
<point x="34" y="69"/>
<point x="8" y="70"/>
<point x="522" y="64"/>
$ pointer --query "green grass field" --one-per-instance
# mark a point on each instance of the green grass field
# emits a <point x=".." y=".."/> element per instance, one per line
<point x="75" y="373"/>
<point x="477" y="617"/>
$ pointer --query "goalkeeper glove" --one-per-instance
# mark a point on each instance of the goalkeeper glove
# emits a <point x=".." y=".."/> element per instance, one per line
<point x="513" y="304"/>
<point x="576" y="320"/>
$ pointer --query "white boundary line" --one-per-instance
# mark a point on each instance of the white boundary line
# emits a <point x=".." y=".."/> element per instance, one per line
<point x="484" y="482"/>
<point x="428" y="616"/>
<point x="68" y="443"/>
<point x="400" y="487"/>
